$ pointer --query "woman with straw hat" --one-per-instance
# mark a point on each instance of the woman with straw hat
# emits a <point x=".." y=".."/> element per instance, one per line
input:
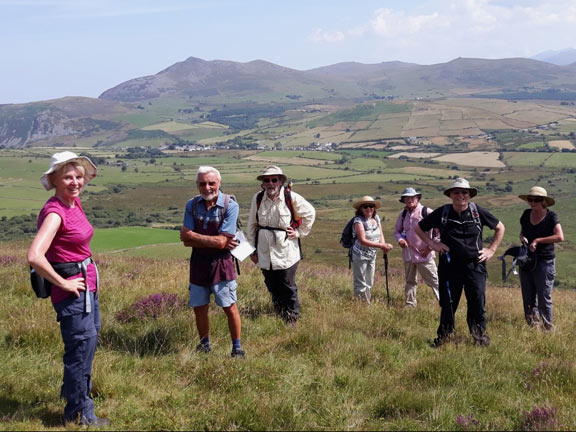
<point x="540" y="229"/>
<point x="368" y="238"/>
<point x="60" y="253"/>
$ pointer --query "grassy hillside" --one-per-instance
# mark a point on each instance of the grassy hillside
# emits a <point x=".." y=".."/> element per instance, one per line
<point x="345" y="366"/>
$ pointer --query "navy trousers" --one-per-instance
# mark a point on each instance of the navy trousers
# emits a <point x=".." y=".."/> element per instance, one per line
<point x="80" y="335"/>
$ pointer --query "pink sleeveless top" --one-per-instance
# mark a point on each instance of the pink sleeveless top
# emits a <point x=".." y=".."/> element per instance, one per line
<point x="71" y="243"/>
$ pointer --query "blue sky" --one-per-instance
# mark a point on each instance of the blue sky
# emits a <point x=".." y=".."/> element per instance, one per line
<point x="56" y="48"/>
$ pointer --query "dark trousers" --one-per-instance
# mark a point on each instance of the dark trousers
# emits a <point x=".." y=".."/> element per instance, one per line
<point x="453" y="279"/>
<point x="80" y="335"/>
<point x="282" y="286"/>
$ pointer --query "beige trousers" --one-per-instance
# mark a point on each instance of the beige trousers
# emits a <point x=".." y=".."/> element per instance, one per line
<point x="429" y="273"/>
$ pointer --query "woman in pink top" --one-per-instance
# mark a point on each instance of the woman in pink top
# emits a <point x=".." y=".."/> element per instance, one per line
<point x="61" y="254"/>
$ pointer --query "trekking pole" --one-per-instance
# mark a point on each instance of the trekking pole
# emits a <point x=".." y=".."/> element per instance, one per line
<point x="448" y="290"/>
<point x="386" y="273"/>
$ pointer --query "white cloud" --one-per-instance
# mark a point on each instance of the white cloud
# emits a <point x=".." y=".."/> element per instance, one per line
<point x="321" y="36"/>
<point x="396" y="23"/>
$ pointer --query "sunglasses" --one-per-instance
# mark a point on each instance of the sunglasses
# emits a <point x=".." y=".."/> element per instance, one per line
<point x="268" y="180"/>
<point x="535" y="200"/>
<point x="461" y="192"/>
<point x="368" y="206"/>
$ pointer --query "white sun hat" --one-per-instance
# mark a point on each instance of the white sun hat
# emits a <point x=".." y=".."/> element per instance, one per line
<point x="461" y="183"/>
<point x="60" y="159"/>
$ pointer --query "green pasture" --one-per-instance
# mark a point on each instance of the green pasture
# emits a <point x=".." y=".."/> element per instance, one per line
<point x="532" y="145"/>
<point x="567" y="126"/>
<point x="303" y="154"/>
<point x="366" y="111"/>
<point x="119" y="239"/>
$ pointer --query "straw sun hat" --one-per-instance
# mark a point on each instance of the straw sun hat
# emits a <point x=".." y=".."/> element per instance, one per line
<point x="539" y="192"/>
<point x="58" y="160"/>
<point x="366" y="200"/>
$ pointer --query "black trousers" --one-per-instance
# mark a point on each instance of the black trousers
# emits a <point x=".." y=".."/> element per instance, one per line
<point x="282" y="286"/>
<point x="453" y="279"/>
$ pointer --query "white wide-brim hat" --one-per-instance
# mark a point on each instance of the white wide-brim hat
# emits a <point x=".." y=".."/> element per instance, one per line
<point x="366" y="200"/>
<point x="461" y="183"/>
<point x="272" y="170"/>
<point x="409" y="192"/>
<point x="58" y="160"/>
<point x="538" y="192"/>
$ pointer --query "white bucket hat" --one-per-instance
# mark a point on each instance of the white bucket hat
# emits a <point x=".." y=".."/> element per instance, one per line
<point x="271" y="170"/>
<point x="538" y="192"/>
<point x="58" y="160"/>
<point x="366" y="200"/>
<point x="409" y="192"/>
<point x="461" y="183"/>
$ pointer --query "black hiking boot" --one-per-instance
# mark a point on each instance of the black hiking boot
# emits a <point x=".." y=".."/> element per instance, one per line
<point x="203" y="349"/>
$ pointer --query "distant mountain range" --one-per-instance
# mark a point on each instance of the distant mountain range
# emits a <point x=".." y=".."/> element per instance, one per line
<point x="214" y="83"/>
<point x="562" y="57"/>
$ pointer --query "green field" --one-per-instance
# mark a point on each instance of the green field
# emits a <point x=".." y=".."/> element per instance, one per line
<point x="119" y="239"/>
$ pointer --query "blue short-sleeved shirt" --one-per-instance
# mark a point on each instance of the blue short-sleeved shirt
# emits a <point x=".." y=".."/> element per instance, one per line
<point x="228" y="226"/>
<point x="209" y="266"/>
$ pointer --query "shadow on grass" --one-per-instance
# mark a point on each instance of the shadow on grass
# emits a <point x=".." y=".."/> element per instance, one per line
<point x="13" y="410"/>
<point x="153" y="342"/>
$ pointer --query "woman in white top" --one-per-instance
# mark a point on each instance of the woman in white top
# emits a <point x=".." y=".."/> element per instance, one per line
<point x="368" y="239"/>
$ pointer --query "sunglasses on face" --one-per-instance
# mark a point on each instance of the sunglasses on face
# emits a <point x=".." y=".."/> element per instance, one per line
<point x="535" y="200"/>
<point x="368" y="206"/>
<point x="268" y="180"/>
<point x="461" y="192"/>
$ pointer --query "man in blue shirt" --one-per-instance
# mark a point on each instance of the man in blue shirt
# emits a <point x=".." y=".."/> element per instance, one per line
<point x="209" y="228"/>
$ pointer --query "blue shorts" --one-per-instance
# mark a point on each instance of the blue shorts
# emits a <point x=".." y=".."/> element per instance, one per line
<point x="224" y="294"/>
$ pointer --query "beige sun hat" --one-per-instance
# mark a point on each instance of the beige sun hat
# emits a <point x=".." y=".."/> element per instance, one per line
<point x="540" y="192"/>
<point x="366" y="200"/>
<point x="461" y="183"/>
<point x="272" y="170"/>
<point x="58" y="160"/>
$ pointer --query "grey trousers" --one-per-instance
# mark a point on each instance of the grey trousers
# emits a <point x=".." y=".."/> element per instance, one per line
<point x="537" y="292"/>
<point x="364" y="270"/>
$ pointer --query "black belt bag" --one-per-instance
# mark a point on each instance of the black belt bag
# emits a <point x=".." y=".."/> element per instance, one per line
<point x="42" y="287"/>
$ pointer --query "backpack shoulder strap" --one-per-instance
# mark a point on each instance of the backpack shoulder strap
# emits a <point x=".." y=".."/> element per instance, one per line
<point x="444" y="219"/>
<point x="259" y="198"/>
<point x="222" y="210"/>
<point x="289" y="203"/>
<point x="475" y="215"/>
<point x="194" y="206"/>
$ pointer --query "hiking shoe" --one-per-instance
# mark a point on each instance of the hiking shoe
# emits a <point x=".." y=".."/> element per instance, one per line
<point x="203" y="349"/>
<point x="441" y="340"/>
<point x="238" y="353"/>
<point x="483" y="340"/>
<point x="96" y="422"/>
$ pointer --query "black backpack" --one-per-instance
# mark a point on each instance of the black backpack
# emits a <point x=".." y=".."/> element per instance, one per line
<point x="347" y="237"/>
<point x="521" y="257"/>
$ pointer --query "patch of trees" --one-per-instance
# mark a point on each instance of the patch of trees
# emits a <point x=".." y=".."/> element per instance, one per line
<point x="546" y="94"/>
<point x="146" y="134"/>
<point x="245" y="116"/>
<point x="18" y="227"/>
<point x="142" y="153"/>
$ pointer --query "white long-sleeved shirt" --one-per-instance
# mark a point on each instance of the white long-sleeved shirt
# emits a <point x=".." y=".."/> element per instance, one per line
<point x="275" y="250"/>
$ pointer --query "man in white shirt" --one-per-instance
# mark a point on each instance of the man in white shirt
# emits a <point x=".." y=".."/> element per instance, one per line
<point x="278" y="219"/>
